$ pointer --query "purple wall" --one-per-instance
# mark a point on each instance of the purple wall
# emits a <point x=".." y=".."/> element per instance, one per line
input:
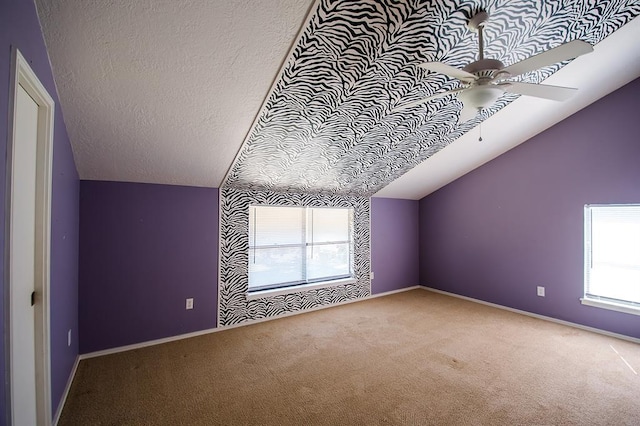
<point x="394" y="244"/>
<point x="19" y="28"/>
<point x="517" y="222"/>
<point x="144" y="249"/>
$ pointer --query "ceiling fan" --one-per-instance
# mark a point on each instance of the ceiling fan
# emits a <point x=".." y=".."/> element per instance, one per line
<point x="485" y="80"/>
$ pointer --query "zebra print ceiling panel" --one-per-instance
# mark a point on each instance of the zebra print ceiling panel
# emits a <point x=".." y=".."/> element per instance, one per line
<point x="326" y="126"/>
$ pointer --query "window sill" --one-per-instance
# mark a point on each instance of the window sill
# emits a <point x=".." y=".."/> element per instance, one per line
<point x="253" y="295"/>
<point x="611" y="306"/>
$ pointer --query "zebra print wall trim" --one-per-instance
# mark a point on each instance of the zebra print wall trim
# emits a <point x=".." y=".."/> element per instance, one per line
<point x="326" y="126"/>
<point x="233" y="305"/>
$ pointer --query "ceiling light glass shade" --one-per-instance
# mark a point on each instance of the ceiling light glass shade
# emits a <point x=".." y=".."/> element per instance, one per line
<point x="480" y="97"/>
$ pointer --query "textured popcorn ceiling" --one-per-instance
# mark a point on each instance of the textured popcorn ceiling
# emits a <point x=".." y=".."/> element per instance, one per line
<point x="168" y="91"/>
<point x="164" y="91"/>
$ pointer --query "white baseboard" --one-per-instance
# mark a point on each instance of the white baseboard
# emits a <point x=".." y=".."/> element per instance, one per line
<point x="387" y="293"/>
<point x="531" y="314"/>
<point x="67" y="388"/>
<point x="147" y="343"/>
<point x="373" y="296"/>
<point x="228" y="327"/>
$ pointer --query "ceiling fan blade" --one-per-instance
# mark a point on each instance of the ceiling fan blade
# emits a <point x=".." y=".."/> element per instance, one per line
<point x="445" y="69"/>
<point x="566" y="51"/>
<point x="555" y="93"/>
<point x="427" y="99"/>
<point x="467" y="113"/>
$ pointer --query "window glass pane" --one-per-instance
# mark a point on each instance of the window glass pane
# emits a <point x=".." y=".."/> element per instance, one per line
<point x="276" y="225"/>
<point x="615" y="240"/>
<point x="615" y="283"/>
<point x="329" y="225"/>
<point x="271" y="266"/>
<point x="328" y="260"/>
<point x="613" y="252"/>
<point x="296" y="245"/>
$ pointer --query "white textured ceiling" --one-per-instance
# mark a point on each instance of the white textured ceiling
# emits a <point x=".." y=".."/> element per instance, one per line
<point x="164" y="91"/>
<point x="167" y="91"/>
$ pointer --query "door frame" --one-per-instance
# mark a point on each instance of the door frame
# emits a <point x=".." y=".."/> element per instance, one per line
<point x="23" y="75"/>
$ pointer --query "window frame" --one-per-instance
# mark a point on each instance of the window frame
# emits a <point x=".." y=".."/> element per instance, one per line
<point x="590" y="299"/>
<point x="305" y="284"/>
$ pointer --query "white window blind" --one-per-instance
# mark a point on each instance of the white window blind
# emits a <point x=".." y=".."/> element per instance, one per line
<point x="612" y="254"/>
<point x="298" y="245"/>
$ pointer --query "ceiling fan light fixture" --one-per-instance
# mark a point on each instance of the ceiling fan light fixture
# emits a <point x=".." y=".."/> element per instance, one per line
<point x="485" y="79"/>
<point x="480" y="97"/>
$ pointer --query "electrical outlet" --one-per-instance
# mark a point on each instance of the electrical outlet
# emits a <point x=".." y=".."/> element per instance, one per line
<point x="540" y="291"/>
<point x="371" y="274"/>
<point x="69" y="338"/>
<point x="190" y="303"/>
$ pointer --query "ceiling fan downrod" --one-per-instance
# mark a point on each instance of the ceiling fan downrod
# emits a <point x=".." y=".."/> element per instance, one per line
<point x="483" y="81"/>
<point x="481" y="44"/>
<point x="476" y="24"/>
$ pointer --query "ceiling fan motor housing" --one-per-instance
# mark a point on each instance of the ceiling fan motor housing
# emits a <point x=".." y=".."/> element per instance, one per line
<point x="484" y="67"/>
<point x="484" y="80"/>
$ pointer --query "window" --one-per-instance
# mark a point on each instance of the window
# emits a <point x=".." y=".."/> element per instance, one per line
<point x="612" y="257"/>
<point x="290" y="246"/>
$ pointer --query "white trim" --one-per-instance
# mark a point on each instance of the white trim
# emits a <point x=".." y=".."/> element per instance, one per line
<point x="531" y="314"/>
<point x="610" y="305"/>
<point x="229" y="327"/>
<point x="65" y="394"/>
<point x="24" y="76"/>
<point x="254" y="295"/>
<point x="149" y="343"/>
<point x="389" y="293"/>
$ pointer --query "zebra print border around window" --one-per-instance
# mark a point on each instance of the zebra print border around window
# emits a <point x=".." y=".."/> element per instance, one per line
<point x="233" y="306"/>
<point x="326" y="125"/>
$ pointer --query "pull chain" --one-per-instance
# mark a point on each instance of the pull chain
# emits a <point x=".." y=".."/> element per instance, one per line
<point x="480" y="138"/>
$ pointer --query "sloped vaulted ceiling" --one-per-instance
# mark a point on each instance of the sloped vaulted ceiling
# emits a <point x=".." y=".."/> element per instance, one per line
<point x="326" y="125"/>
<point x="171" y="91"/>
<point x="164" y="91"/>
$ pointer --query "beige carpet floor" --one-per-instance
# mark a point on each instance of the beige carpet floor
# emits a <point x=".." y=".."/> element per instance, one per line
<point x="413" y="358"/>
